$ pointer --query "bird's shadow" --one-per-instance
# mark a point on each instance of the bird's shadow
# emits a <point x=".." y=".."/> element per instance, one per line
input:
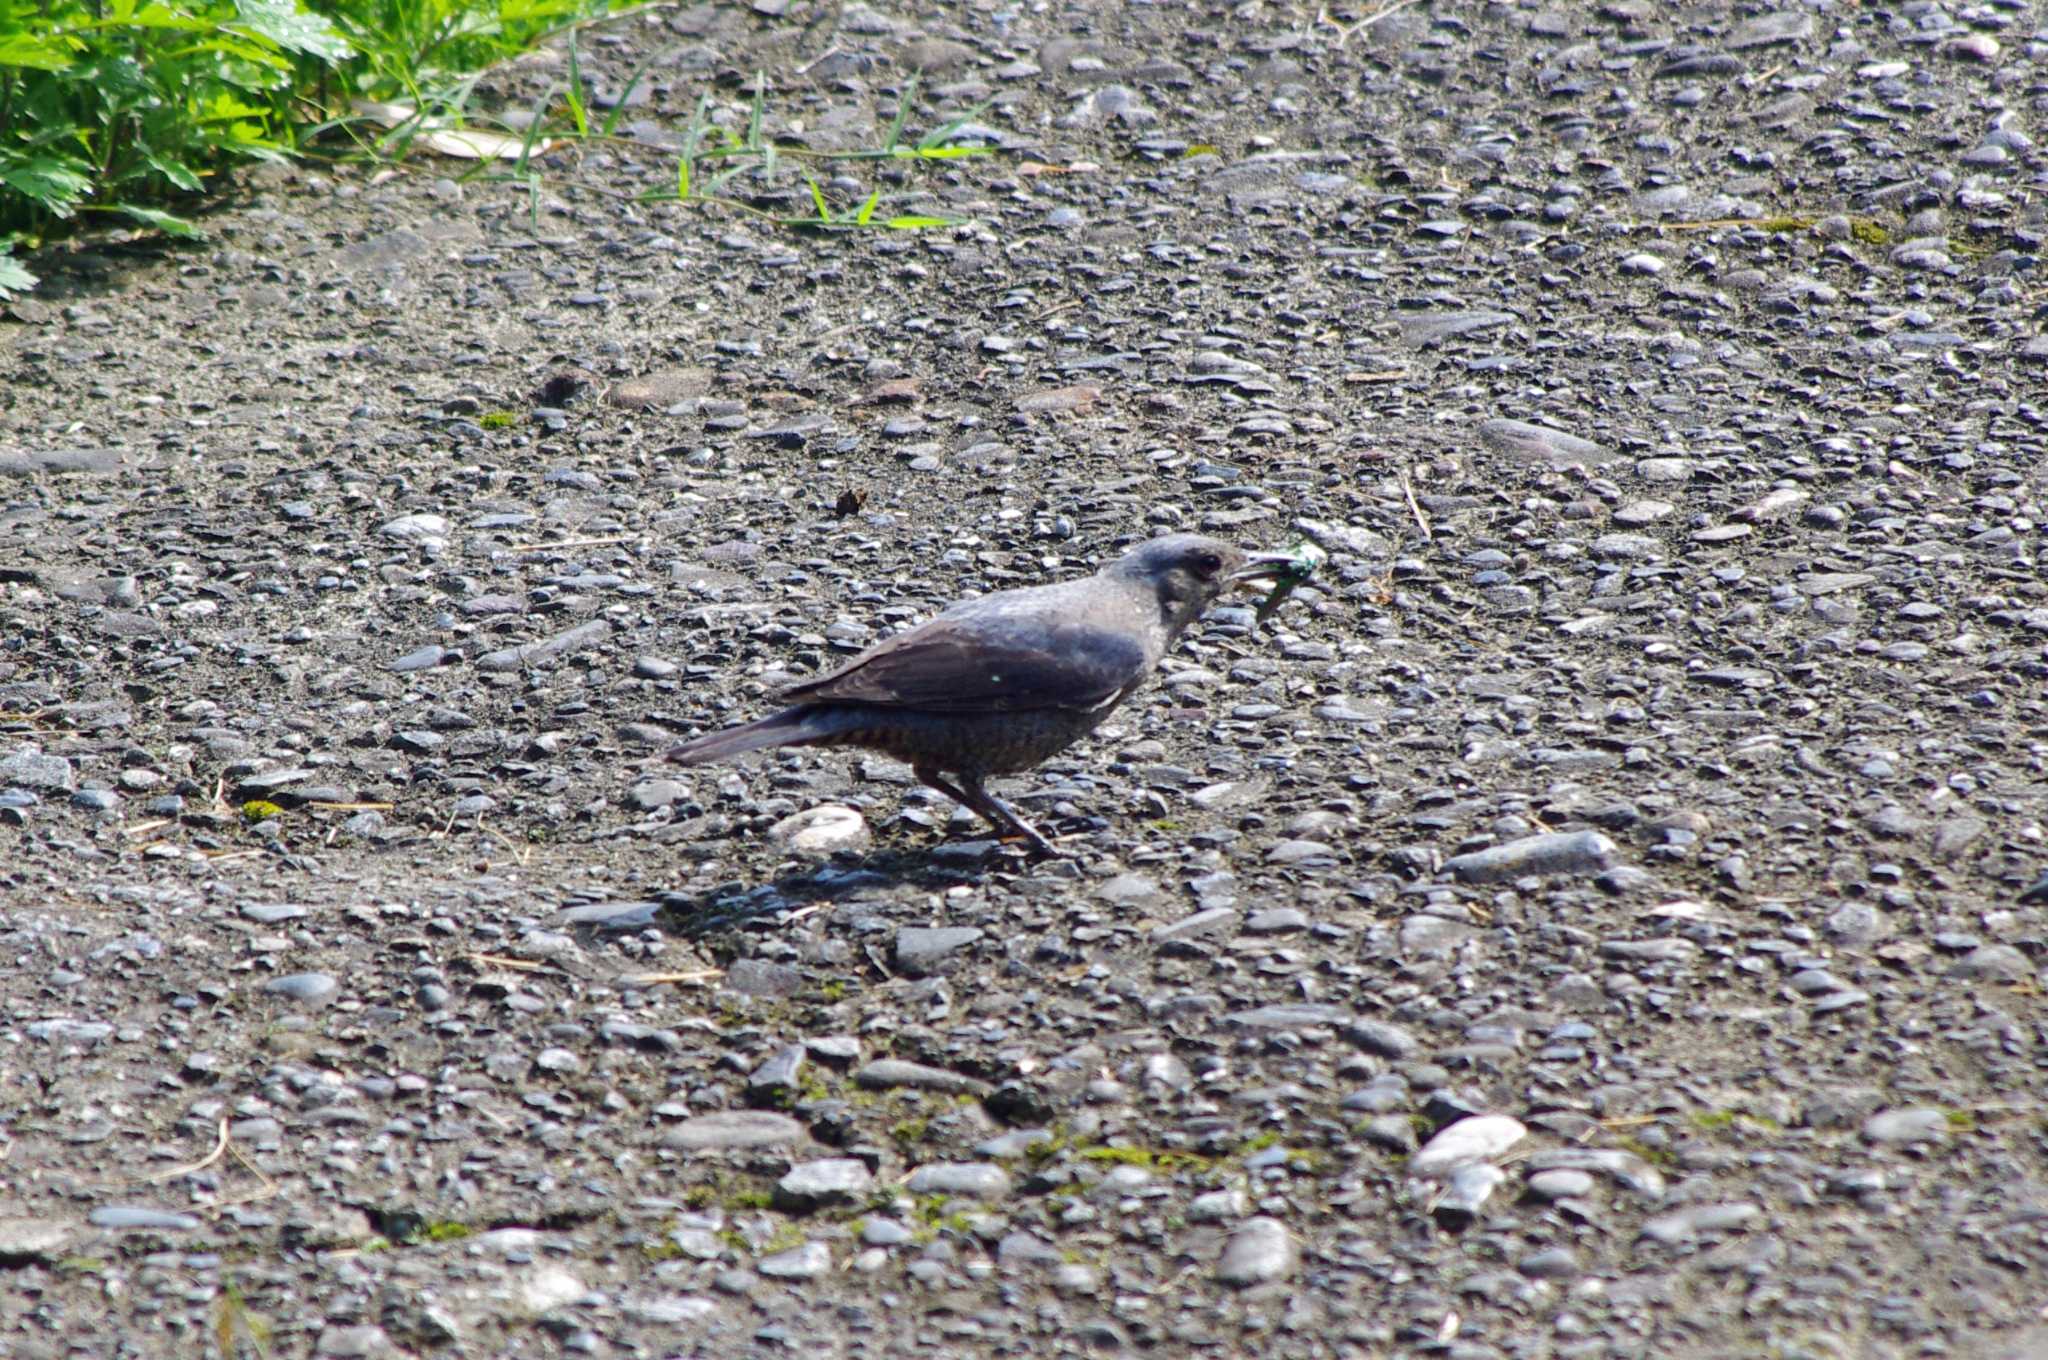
<point x="741" y="905"/>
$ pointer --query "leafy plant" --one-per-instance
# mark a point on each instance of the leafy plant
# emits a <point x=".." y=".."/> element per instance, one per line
<point x="119" y="106"/>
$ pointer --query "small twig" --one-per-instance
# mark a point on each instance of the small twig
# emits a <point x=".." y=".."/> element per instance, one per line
<point x="1415" y="508"/>
<point x="570" y="543"/>
<point x="1377" y="376"/>
<point x="1323" y="16"/>
<point x="521" y="853"/>
<point x="144" y="828"/>
<point x="805" y="69"/>
<point x="507" y="962"/>
<point x="220" y="1146"/>
<point x="270" y="1188"/>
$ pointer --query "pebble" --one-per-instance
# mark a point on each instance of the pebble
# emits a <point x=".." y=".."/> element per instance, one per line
<point x="823" y="830"/>
<point x="1260" y="1251"/>
<point x="308" y="989"/>
<point x="1910" y="1127"/>
<point x="806" y="1262"/>
<point x="1480" y="1138"/>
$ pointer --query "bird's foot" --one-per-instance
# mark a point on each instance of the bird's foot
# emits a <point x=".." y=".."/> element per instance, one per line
<point x="1033" y="841"/>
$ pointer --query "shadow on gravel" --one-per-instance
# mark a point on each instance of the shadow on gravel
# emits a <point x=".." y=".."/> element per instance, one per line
<point x="767" y="906"/>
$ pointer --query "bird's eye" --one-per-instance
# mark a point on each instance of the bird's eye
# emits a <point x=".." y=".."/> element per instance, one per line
<point x="1208" y="564"/>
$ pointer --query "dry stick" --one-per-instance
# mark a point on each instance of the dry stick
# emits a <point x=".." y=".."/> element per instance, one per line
<point x="520" y="853"/>
<point x="1368" y="21"/>
<point x="570" y="543"/>
<point x="270" y="1189"/>
<point x="507" y="962"/>
<point x="220" y="1145"/>
<point x="1415" y="508"/>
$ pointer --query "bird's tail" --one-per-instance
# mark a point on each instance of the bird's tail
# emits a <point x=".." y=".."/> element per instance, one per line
<point x="791" y="727"/>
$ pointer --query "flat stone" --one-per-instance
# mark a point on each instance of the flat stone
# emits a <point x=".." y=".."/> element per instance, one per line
<point x="974" y="1180"/>
<point x="1563" y="852"/>
<point x="806" y="1262"/>
<point x="29" y="768"/>
<point x="1704" y="1220"/>
<point x="1541" y="443"/>
<point x="130" y="1216"/>
<point x="888" y="1073"/>
<point x="729" y="1130"/>
<point x="829" y="1180"/>
<point x="920" y="949"/>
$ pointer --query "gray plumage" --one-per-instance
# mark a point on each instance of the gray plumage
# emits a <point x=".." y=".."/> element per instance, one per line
<point x="997" y="684"/>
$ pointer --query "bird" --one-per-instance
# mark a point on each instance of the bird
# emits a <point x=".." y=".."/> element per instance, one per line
<point x="997" y="683"/>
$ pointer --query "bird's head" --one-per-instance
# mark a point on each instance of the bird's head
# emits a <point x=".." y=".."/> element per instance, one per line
<point x="1186" y="572"/>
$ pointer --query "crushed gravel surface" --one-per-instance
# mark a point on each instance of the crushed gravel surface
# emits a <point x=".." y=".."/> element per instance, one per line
<point x="1604" y="914"/>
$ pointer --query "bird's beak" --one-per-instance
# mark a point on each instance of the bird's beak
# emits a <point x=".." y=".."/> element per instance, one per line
<point x="1265" y="566"/>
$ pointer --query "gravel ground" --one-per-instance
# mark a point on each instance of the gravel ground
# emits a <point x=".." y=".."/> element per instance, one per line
<point x="1603" y="916"/>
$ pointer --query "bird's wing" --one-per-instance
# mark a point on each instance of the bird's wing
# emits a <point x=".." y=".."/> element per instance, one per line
<point x="1003" y="664"/>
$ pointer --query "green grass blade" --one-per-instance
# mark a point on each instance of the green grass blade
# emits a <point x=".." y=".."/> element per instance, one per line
<point x="573" y="97"/>
<point x="618" y="111"/>
<point x="895" y="132"/>
<point x="867" y="209"/>
<point x="532" y="135"/>
<point x="754" y="115"/>
<point x="943" y="134"/>
<point x="818" y="197"/>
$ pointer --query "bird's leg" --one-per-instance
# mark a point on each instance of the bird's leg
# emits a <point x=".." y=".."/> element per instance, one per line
<point x="970" y="794"/>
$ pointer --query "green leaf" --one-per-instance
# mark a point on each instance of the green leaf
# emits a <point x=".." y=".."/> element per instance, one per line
<point x="918" y="223"/>
<point x="292" y="28"/>
<point x="818" y="197"/>
<point x="37" y="53"/>
<point x="13" y="278"/>
<point x="224" y="107"/>
<point x="682" y="178"/>
<point x="126" y="14"/>
<point x="177" y="172"/>
<point x="867" y="209"/>
<point x="167" y="223"/>
<point x="55" y="184"/>
<point x="937" y="153"/>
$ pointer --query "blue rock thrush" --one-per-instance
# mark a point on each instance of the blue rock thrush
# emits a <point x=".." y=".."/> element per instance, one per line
<point x="997" y="684"/>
